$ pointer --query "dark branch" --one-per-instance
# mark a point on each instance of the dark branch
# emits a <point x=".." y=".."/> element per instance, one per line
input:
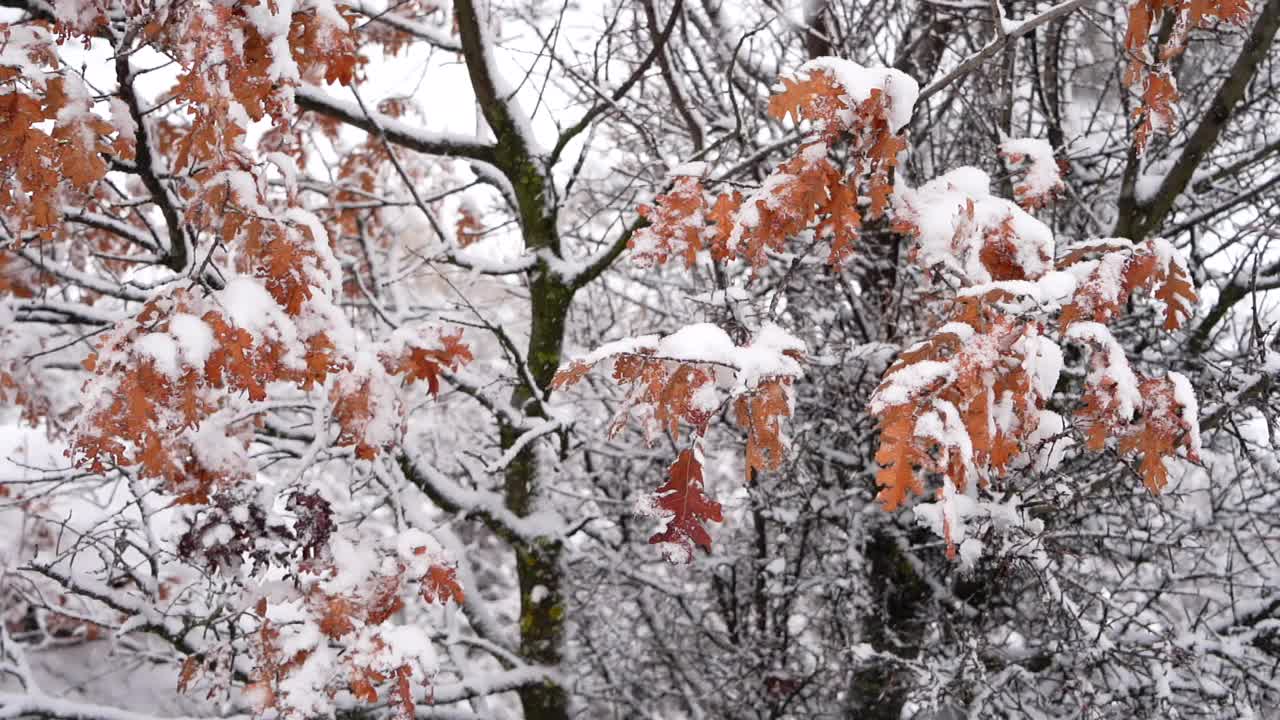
<point x="402" y="134"/>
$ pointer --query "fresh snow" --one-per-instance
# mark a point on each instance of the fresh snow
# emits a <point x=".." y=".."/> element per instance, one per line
<point x="859" y="81"/>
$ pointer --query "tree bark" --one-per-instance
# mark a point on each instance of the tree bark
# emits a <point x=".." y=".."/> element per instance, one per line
<point x="900" y="595"/>
<point x="538" y="559"/>
<point x="542" y="614"/>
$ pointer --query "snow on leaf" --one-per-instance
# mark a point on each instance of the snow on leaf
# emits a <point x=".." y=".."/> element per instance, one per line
<point x="962" y="404"/>
<point x="959" y="226"/>
<point x="1041" y="178"/>
<point x="1165" y="428"/>
<point x="817" y="97"/>
<point x="896" y="456"/>
<point x="864" y="107"/>
<point x="676" y="222"/>
<point x="1111" y="388"/>
<point x="1107" y="283"/>
<point x="467" y="229"/>
<point x="413" y="359"/>
<point x="440" y="584"/>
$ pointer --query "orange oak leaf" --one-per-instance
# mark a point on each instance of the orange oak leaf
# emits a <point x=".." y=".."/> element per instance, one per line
<point x="897" y="456"/>
<point x="682" y="496"/>
<point x="676" y="221"/>
<point x="818" y="97"/>
<point x="761" y="412"/>
<point x="440" y="584"/>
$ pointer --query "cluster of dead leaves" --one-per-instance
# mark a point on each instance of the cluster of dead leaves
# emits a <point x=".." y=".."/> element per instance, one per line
<point x="1159" y="430"/>
<point x="340" y="617"/>
<point x="806" y="191"/>
<point x="1156" y="431"/>
<point x="1150" y="73"/>
<point x="419" y="363"/>
<point x="143" y="410"/>
<point x="148" y="405"/>
<point x="361" y="397"/>
<point x="373" y="672"/>
<point x="761" y="413"/>
<point x="283" y="254"/>
<point x="142" y="421"/>
<point x="961" y="381"/>
<point x="957" y="379"/>
<point x="226" y="60"/>
<point x="49" y="141"/>
<point x="963" y="405"/>
<point x="677" y="221"/>
<point x="663" y="389"/>
<point x="668" y="394"/>
<point x="1150" y="266"/>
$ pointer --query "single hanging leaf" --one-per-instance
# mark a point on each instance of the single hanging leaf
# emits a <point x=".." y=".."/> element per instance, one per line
<point x="1165" y="428"/>
<point x="440" y="584"/>
<point x="896" y="456"/>
<point x="683" y="497"/>
<point x="467" y="229"/>
<point x="817" y="97"/>
<point x="761" y="413"/>
<point x="1178" y="295"/>
<point x="721" y="215"/>
<point x="676" y="221"/>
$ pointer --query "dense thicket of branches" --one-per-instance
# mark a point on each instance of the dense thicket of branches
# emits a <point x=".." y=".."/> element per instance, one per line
<point x="378" y="358"/>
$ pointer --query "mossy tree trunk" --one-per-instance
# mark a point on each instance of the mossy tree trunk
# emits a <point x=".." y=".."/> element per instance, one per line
<point x="538" y="558"/>
<point x="542" y="613"/>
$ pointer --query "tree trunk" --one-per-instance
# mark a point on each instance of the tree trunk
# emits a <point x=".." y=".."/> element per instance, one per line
<point x="896" y="629"/>
<point x="542" y="615"/>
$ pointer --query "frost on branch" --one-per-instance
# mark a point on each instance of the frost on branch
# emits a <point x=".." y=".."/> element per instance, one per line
<point x="685" y="379"/>
<point x="1150" y="74"/>
<point x="844" y="103"/>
